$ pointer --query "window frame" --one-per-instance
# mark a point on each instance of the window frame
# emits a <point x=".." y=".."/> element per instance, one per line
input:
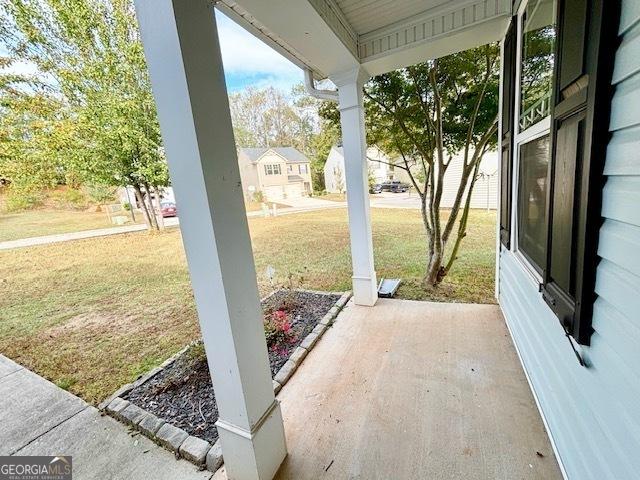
<point x="270" y="169"/>
<point x="539" y="129"/>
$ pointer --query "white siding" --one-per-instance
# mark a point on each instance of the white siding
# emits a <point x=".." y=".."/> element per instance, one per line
<point x="485" y="191"/>
<point x="379" y="170"/>
<point x="594" y="414"/>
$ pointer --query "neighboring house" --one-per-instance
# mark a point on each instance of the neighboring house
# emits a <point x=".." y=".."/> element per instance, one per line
<point x="334" y="168"/>
<point x="278" y="172"/>
<point x="485" y="191"/>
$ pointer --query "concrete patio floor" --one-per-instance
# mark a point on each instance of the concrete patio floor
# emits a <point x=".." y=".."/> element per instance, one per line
<point x="414" y="390"/>
<point x="38" y="418"/>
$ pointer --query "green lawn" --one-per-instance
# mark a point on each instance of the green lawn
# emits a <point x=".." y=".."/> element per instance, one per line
<point x="33" y="223"/>
<point x="256" y="206"/>
<point x="334" y="197"/>
<point x="37" y="222"/>
<point x="92" y="314"/>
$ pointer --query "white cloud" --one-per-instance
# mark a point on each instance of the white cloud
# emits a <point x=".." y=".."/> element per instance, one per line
<point x="245" y="55"/>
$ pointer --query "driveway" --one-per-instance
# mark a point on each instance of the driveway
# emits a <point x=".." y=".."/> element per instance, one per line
<point x="310" y="203"/>
<point x="395" y="200"/>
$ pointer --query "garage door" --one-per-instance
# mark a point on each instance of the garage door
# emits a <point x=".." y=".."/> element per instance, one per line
<point x="293" y="190"/>
<point x="273" y="193"/>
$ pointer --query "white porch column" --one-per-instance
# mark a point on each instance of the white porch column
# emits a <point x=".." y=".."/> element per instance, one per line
<point x="354" y="145"/>
<point x="182" y="50"/>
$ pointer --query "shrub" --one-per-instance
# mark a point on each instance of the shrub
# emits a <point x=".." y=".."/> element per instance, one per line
<point x="100" y="194"/>
<point x="277" y="329"/>
<point x="22" y="199"/>
<point x="69" y="198"/>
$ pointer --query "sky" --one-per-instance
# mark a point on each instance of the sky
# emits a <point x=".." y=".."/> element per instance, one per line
<point x="248" y="62"/>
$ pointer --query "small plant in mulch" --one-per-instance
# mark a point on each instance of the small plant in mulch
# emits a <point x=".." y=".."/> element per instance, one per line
<point x="278" y="330"/>
<point x="182" y="393"/>
<point x="282" y="328"/>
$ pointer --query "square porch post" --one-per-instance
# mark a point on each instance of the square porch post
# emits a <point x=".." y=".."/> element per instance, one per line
<point x="183" y="54"/>
<point x="354" y="146"/>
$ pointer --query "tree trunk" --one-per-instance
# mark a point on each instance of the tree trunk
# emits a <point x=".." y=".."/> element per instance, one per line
<point x="435" y="271"/>
<point x="159" y="217"/>
<point x="152" y="213"/>
<point x="143" y="206"/>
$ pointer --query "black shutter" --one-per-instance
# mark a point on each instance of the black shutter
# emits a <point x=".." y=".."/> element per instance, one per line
<point x="506" y="135"/>
<point x="585" y="48"/>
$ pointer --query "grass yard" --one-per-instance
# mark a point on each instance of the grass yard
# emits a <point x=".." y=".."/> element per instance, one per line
<point x="34" y="223"/>
<point x="334" y="197"/>
<point x="38" y="222"/>
<point x="92" y="314"/>
<point x="256" y="206"/>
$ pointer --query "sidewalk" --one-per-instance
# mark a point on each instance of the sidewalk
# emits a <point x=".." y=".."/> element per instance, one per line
<point x="39" y="418"/>
<point x="400" y="203"/>
<point x="168" y="222"/>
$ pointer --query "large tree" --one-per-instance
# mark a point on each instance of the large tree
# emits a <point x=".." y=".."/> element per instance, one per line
<point x="34" y="133"/>
<point x="425" y="114"/>
<point x="89" y="52"/>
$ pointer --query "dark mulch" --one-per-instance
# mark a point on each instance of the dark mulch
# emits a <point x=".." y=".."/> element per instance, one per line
<point x="182" y="393"/>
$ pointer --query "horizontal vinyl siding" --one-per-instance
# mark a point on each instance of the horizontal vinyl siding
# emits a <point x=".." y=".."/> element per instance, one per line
<point x="593" y="413"/>
<point x="485" y="191"/>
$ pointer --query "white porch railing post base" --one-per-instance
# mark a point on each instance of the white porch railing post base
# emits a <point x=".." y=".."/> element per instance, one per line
<point x="365" y="290"/>
<point x="255" y="454"/>
<point x="183" y="54"/>
<point x="354" y="145"/>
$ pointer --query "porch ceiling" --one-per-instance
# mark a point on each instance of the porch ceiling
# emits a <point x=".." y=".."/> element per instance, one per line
<point x="414" y="390"/>
<point x="368" y="15"/>
<point x="332" y="36"/>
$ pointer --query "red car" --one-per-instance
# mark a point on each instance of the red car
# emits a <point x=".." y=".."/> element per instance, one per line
<point x="168" y="209"/>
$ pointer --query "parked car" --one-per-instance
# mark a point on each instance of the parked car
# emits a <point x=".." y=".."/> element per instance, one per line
<point x="168" y="209"/>
<point x="377" y="188"/>
<point x="395" y="186"/>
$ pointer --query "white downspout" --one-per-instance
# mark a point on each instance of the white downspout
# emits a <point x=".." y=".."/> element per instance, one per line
<point x="309" y="86"/>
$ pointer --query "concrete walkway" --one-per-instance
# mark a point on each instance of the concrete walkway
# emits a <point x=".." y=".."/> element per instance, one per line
<point x="38" y="418"/>
<point x="169" y="222"/>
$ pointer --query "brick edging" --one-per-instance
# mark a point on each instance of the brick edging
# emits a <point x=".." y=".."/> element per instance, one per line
<point x="295" y="360"/>
<point x="177" y="440"/>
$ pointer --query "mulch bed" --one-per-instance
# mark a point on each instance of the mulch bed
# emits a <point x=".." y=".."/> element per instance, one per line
<point x="182" y="393"/>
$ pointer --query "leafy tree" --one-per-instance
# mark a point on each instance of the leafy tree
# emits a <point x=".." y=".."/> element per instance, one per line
<point x="35" y="136"/>
<point x="270" y="118"/>
<point x="424" y="114"/>
<point x="321" y="143"/>
<point x="89" y="52"/>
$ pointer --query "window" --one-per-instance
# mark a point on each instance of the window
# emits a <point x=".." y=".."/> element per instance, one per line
<point x="289" y="168"/>
<point x="536" y="66"/>
<point x="532" y="200"/>
<point x="303" y="168"/>
<point x="558" y="58"/>
<point x="537" y="35"/>
<point x="272" y="170"/>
